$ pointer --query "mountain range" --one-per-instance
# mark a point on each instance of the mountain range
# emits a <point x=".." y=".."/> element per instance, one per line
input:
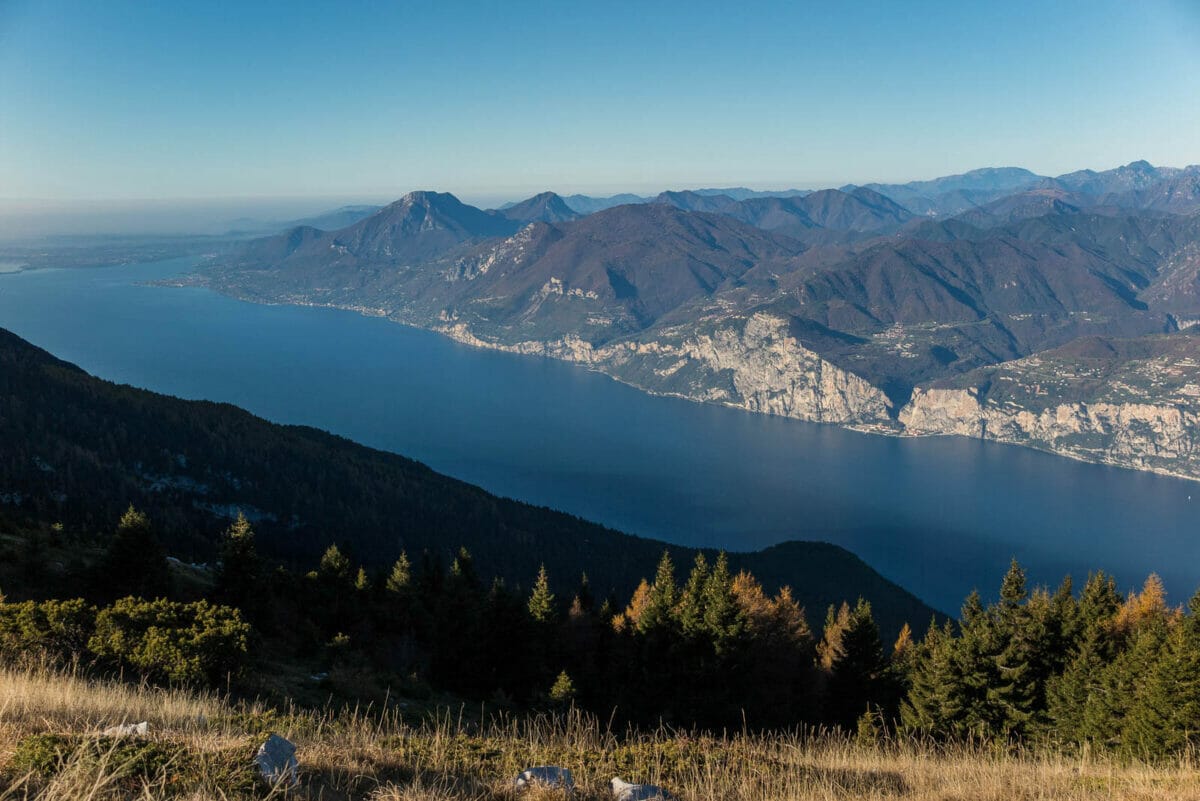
<point x="841" y="305"/>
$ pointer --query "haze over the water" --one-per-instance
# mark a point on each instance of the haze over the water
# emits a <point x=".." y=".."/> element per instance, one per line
<point x="196" y="101"/>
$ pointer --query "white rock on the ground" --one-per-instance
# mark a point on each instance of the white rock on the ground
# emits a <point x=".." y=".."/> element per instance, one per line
<point x="624" y="791"/>
<point x="276" y="762"/>
<point x="546" y="774"/>
<point x="128" y="730"/>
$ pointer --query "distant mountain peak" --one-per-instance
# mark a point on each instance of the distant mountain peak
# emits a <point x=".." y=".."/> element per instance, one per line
<point x="546" y="207"/>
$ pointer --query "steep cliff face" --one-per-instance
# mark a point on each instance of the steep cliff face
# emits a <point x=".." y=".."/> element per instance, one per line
<point x="750" y="363"/>
<point x="1162" y="438"/>
<point x="771" y="372"/>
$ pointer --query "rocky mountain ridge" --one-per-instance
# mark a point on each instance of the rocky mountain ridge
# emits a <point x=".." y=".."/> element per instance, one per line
<point x="866" y="317"/>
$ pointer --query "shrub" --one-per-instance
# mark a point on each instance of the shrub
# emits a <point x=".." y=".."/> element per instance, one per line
<point x="42" y="755"/>
<point x="170" y="641"/>
<point x="58" y="629"/>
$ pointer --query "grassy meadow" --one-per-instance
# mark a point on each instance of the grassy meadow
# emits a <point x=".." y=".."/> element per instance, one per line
<point x="201" y="745"/>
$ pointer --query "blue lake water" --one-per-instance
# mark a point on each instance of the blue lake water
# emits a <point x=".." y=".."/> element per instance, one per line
<point x="940" y="516"/>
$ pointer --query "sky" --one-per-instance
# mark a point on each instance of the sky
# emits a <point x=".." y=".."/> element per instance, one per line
<point x="135" y="101"/>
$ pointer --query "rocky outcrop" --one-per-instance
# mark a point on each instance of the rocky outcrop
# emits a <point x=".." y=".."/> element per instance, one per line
<point x="771" y="372"/>
<point x="752" y="364"/>
<point x="1162" y="438"/>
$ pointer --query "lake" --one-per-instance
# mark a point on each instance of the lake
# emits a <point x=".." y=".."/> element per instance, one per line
<point x="939" y="516"/>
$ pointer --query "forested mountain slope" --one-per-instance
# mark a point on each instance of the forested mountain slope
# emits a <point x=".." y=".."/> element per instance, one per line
<point x="79" y="449"/>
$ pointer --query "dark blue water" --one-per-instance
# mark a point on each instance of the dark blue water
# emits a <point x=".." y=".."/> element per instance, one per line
<point x="941" y="516"/>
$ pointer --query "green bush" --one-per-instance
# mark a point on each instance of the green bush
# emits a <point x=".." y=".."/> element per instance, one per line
<point x="170" y="641"/>
<point x="45" y="755"/>
<point x="42" y="755"/>
<point x="59" y="629"/>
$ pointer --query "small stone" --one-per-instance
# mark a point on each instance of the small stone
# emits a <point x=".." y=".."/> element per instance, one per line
<point x="128" y="730"/>
<point x="276" y="762"/>
<point x="548" y="775"/>
<point x="624" y="791"/>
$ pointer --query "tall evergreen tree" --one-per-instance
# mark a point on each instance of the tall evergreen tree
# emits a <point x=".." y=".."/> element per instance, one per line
<point x="1165" y="715"/>
<point x="692" y="599"/>
<point x="722" y="616"/>
<point x="931" y="678"/>
<point x="1092" y="642"/>
<point x="541" y="600"/>
<point x="239" y="574"/>
<point x="134" y="562"/>
<point x="659" y="612"/>
<point x="1014" y="695"/>
<point x="399" y="580"/>
<point x="860" y="677"/>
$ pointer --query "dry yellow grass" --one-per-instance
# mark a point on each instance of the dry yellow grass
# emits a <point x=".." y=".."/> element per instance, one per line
<point x="368" y="757"/>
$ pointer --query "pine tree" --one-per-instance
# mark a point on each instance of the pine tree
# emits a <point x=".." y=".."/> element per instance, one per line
<point x="722" y="617"/>
<point x="361" y="582"/>
<point x="134" y="562"/>
<point x="690" y="610"/>
<point x="903" y="651"/>
<point x="541" y="601"/>
<point x="836" y="622"/>
<point x="631" y="618"/>
<point x="334" y="565"/>
<point x="238" y="579"/>
<point x="1091" y="643"/>
<point x="1013" y="697"/>
<point x="1107" y="718"/>
<point x="859" y="677"/>
<point x="966" y="707"/>
<point x="563" y="691"/>
<point x="1165" y="715"/>
<point x="399" y="580"/>
<point x="659" y="611"/>
<point x="930" y="681"/>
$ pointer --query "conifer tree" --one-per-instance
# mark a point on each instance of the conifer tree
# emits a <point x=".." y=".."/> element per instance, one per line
<point x="1013" y="697"/>
<point x="563" y="691"/>
<point x="836" y="621"/>
<point x="1165" y="715"/>
<point x="631" y="618"/>
<point x="399" y="580"/>
<point x="966" y="707"/>
<point x="134" y="562"/>
<point x="722" y="617"/>
<point x="659" y="611"/>
<point x="931" y="679"/>
<point x="334" y="565"/>
<point x="541" y="601"/>
<point x="692" y="599"/>
<point x="238" y="579"/>
<point x="1107" y="718"/>
<point x="903" y="651"/>
<point x="860" y="677"/>
<point x="1092" y="646"/>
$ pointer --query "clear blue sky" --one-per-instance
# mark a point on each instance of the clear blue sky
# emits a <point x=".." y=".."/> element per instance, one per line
<point x="180" y="99"/>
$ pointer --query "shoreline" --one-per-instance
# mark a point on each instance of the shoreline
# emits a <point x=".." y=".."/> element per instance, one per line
<point x="455" y="334"/>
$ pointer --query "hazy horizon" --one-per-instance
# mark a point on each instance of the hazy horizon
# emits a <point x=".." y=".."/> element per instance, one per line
<point x="35" y="218"/>
<point x="124" y="101"/>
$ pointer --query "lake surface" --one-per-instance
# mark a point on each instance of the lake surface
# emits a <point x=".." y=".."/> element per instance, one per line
<point x="940" y="516"/>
